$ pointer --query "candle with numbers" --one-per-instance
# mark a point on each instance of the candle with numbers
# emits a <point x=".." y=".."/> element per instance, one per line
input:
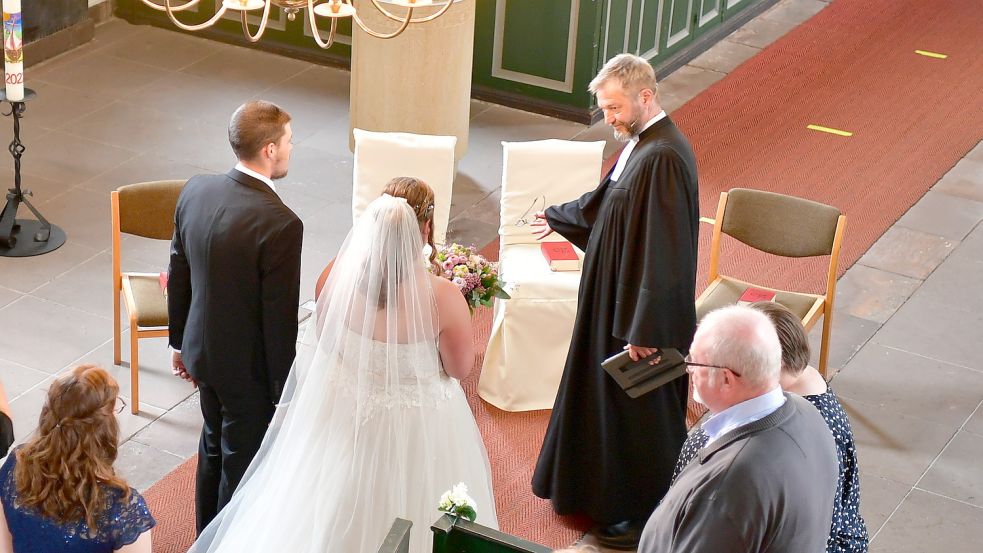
<point x="13" y="50"/>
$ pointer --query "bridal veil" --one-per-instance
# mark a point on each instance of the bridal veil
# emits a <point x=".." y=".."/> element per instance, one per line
<point x="369" y="426"/>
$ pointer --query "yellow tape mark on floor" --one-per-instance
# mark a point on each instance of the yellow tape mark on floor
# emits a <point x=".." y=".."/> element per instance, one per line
<point x="936" y="55"/>
<point x="829" y="130"/>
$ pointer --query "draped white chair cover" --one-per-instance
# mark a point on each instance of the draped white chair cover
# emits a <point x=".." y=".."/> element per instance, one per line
<point x="531" y="332"/>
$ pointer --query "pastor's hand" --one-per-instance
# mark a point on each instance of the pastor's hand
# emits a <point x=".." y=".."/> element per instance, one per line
<point x="639" y="352"/>
<point x="540" y="226"/>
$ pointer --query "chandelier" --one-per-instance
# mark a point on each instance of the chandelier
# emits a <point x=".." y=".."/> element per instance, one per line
<point x="333" y="9"/>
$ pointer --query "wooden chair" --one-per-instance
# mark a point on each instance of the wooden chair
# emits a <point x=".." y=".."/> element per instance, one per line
<point x="780" y="225"/>
<point x="143" y="209"/>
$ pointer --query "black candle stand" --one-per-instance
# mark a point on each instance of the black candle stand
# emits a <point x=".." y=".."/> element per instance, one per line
<point x="23" y="237"/>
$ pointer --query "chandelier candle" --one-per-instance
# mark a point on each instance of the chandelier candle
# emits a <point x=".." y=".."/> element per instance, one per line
<point x="13" y="50"/>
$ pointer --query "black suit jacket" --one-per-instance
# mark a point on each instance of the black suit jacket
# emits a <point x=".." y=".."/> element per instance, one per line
<point x="234" y="281"/>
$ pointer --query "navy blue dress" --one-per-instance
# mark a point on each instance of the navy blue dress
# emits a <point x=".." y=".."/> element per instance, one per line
<point x="848" y="533"/>
<point x="120" y="524"/>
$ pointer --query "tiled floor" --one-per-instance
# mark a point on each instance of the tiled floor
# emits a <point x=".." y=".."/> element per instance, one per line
<point x="140" y="103"/>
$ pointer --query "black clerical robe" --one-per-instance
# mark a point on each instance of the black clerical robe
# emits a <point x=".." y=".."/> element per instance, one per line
<point x="605" y="454"/>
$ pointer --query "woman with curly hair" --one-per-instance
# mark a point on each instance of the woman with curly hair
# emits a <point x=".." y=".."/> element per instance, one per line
<point x="59" y="492"/>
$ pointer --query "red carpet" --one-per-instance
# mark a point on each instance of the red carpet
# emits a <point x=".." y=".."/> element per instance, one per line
<point x="851" y="67"/>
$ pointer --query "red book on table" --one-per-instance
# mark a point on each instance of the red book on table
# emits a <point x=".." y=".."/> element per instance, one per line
<point x="561" y="256"/>
<point x="752" y="294"/>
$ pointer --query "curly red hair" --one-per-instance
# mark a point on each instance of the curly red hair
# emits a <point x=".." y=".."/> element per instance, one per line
<point x="66" y="471"/>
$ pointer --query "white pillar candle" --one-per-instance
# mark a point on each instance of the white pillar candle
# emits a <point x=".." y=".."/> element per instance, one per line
<point x="13" y="50"/>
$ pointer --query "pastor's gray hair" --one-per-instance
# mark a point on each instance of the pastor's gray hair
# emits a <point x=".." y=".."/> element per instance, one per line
<point x="632" y="72"/>
<point x="743" y="339"/>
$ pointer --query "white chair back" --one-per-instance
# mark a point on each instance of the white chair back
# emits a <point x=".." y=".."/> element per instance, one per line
<point x="381" y="156"/>
<point x="542" y="173"/>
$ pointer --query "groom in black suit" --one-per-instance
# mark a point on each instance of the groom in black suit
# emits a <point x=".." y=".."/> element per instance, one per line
<point x="232" y="298"/>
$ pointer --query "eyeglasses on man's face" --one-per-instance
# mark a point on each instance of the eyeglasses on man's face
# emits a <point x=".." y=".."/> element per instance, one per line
<point x="690" y="363"/>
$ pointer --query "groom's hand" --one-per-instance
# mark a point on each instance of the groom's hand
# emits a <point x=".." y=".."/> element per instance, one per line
<point x="178" y="368"/>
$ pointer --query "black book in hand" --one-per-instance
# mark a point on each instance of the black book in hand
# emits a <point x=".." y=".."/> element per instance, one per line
<point x="638" y="378"/>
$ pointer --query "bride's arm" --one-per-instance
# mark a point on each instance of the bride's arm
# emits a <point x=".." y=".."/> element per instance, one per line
<point x="321" y="279"/>
<point x="456" y="342"/>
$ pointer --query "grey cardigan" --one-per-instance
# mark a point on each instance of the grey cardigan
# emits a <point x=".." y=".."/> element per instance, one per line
<point x="767" y="486"/>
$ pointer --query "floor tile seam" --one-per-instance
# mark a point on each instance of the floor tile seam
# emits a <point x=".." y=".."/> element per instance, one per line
<point x="46" y="376"/>
<point x="947" y="238"/>
<point x="75" y="116"/>
<point x="77" y="360"/>
<point x="937" y="457"/>
<point x="906" y="352"/>
<point x="154" y="448"/>
<point x="201" y="59"/>
<point x="911" y="277"/>
<point x="64" y="305"/>
<point x="949" y="194"/>
<point x="894" y="412"/>
<point x="711" y="70"/>
<point x="134" y="438"/>
<point x="887" y="519"/>
<point x="101" y="143"/>
<point x="55" y="196"/>
<point x="279" y="83"/>
<point x="53" y="279"/>
<point x="943" y="496"/>
<point x="486" y="108"/>
<point x="472" y="206"/>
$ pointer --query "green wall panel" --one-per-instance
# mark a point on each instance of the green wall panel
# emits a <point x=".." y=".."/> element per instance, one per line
<point x="614" y="25"/>
<point x="535" y="65"/>
<point x="649" y="25"/>
<point x="679" y="16"/>
<point x="524" y="25"/>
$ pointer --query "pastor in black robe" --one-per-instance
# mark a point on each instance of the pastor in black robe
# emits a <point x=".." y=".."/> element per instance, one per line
<point x="605" y="454"/>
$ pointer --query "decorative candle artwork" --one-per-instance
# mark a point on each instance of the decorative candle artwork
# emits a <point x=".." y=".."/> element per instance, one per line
<point x="13" y="50"/>
<point x="20" y="237"/>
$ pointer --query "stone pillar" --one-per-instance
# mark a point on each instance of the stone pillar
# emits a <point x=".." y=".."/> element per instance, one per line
<point x="418" y="82"/>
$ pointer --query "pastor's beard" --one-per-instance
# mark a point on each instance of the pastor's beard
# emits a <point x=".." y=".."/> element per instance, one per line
<point x="631" y="127"/>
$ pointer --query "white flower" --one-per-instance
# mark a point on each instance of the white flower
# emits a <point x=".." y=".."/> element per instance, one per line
<point x="459" y="496"/>
<point x="456" y="500"/>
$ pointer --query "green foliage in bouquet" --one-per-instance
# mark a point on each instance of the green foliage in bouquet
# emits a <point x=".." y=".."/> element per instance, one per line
<point x="475" y="276"/>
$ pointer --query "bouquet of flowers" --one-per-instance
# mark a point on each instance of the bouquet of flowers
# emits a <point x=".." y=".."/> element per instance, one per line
<point x="457" y="502"/>
<point x="473" y="274"/>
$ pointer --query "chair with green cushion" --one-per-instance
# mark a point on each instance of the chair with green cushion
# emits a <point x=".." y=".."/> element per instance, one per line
<point x="143" y="209"/>
<point x="780" y="225"/>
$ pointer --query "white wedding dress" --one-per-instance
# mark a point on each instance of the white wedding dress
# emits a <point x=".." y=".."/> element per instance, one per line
<point x="369" y="427"/>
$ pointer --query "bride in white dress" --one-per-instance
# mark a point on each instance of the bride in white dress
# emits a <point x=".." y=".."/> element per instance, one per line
<point x="373" y="423"/>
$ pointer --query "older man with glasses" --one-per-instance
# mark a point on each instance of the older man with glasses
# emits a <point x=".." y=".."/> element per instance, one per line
<point x="765" y="480"/>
